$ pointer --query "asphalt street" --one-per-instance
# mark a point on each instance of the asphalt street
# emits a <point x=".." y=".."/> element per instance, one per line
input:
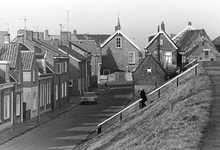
<point x="75" y="126"/>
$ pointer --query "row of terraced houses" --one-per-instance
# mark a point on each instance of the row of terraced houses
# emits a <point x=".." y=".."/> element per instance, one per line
<point x="39" y="72"/>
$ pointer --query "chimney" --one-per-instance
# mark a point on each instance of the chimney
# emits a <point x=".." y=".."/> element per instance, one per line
<point x="46" y="33"/>
<point x="163" y="26"/>
<point x="75" y="32"/>
<point x="20" y="38"/>
<point x="41" y="35"/>
<point x="7" y="38"/>
<point x="190" y="23"/>
<point x="36" y="35"/>
<point x="4" y="70"/>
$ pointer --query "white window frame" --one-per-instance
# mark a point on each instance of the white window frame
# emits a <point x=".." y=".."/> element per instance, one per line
<point x="34" y="75"/>
<point x="131" y="59"/>
<point x="118" y="42"/>
<point x="62" y="93"/>
<point x="183" y="59"/>
<point x="65" y="92"/>
<point x="41" y="95"/>
<point x="34" y="101"/>
<point x="149" y="70"/>
<point x="18" y="104"/>
<point x="65" y="66"/>
<point x="49" y="93"/>
<point x="57" y="92"/>
<point x="58" y="71"/>
<point x="168" y="58"/>
<point x="6" y="107"/>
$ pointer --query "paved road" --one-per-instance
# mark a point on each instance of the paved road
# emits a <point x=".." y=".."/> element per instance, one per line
<point x="211" y="139"/>
<point x="75" y="126"/>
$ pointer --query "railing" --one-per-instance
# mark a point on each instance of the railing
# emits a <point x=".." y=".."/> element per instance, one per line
<point x="155" y="94"/>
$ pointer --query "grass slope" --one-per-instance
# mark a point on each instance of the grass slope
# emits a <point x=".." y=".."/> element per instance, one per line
<point x="159" y="127"/>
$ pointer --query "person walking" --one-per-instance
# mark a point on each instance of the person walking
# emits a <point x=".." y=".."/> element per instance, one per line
<point x="143" y="97"/>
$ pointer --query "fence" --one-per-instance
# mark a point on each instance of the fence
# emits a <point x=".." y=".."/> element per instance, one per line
<point x="152" y="96"/>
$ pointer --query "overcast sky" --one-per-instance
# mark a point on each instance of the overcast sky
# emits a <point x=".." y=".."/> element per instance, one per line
<point x="138" y="18"/>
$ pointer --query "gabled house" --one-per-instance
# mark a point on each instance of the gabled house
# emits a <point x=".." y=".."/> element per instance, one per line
<point x="12" y="53"/>
<point x="196" y="44"/>
<point x="30" y="84"/>
<point x="9" y="110"/>
<point x="148" y="75"/>
<point x="164" y="50"/>
<point x="119" y="53"/>
<point x="57" y="62"/>
<point x="77" y="69"/>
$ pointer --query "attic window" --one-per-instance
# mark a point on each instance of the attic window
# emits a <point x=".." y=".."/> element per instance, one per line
<point x="118" y="42"/>
<point x="81" y="42"/>
<point x="161" y="41"/>
<point x="148" y="69"/>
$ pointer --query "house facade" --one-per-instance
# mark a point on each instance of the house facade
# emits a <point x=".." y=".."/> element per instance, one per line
<point x="12" y="53"/>
<point x="119" y="53"/>
<point x="30" y="84"/>
<point x="10" y="107"/>
<point x="164" y="50"/>
<point x="148" y="75"/>
<point x="196" y="44"/>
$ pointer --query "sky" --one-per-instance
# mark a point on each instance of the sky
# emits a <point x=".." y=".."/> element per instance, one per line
<point x="138" y="18"/>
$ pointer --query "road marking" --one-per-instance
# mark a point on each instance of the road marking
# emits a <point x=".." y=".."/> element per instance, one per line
<point x="76" y="137"/>
<point x="85" y="128"/>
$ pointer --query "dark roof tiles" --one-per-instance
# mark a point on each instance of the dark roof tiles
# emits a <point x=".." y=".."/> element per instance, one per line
<point x="27" y="59"/>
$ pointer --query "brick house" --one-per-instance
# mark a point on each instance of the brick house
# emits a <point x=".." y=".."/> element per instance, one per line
<point x="77" y="70"/>
<point x="196" y="44"/>
<point x="30" y="84"/>
<point x="9" y="110"/>
<point x="148" y="75"/>
<point x="56" y="61"/>
<point x="119" y="53"/>
<point x="12" y="53"/>
<point x="45" y="78"/>
<point x="164" y="50"/>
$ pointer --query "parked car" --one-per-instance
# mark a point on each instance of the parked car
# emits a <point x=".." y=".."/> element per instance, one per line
<point x="89" y="97"/>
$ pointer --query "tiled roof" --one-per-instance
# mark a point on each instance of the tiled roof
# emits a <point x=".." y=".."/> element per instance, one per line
<point x="216" y="41"/>
<point x="27" y="59"/>
<point x="99" y="38"/>
<point x="9" y="52"/>
<point x="72" y="53"/>
<point x="187" y="38"/>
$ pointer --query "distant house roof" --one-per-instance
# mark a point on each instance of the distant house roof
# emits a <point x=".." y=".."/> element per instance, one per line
<point x="73" y="54"/>
<point x="27" y="59"/>
<point x="117" y="33"/>
<point x="9" y="52"/>
<point x="216" y="41"/>
<point x="99" y="38"/>
<point x="187" y="38"/>
<point x="189" y="27"/>
<point x="76" y="45"/>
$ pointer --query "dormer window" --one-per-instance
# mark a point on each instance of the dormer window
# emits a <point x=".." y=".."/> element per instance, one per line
<point x="118" y="43"/>
<point x="149" y="70"/>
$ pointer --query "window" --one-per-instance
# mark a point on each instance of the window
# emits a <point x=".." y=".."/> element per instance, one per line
<point x="65" y="66"/>
<point x="81" y="42"/>
<point x="19" y="77"/>
<point x="206" y="54"/>
<point x="34" y="75"/>
<point x="41" y="95"/>
<point x="62" y="90"/>
<point x="168" y="58"/>
<point x="131" y="58"/>
<point x="34" y="101"/>
<point x="18" y="104"/>
<point x="118" y="42"/>
<point x="65" y="91"/>
<point x="161" y="41"/>
<point x="106" y="71"/>
<point x="58" y="69"/>
<point x="56" y="92"/>
<point x="148" y="70"/>
<point x="71" y="83"/>
<point x="6" y="107"/>
<point x="49" y="93"/>
<point x="183" y="59"/>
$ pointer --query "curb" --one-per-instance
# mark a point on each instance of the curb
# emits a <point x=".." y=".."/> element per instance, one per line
<point x="39" y="124"/>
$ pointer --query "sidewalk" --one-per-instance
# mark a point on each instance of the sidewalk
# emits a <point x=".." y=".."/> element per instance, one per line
<point x="17" y="130"/>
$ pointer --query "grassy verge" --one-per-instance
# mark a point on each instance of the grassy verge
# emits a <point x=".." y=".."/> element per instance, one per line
<point x="160" y="127"/>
